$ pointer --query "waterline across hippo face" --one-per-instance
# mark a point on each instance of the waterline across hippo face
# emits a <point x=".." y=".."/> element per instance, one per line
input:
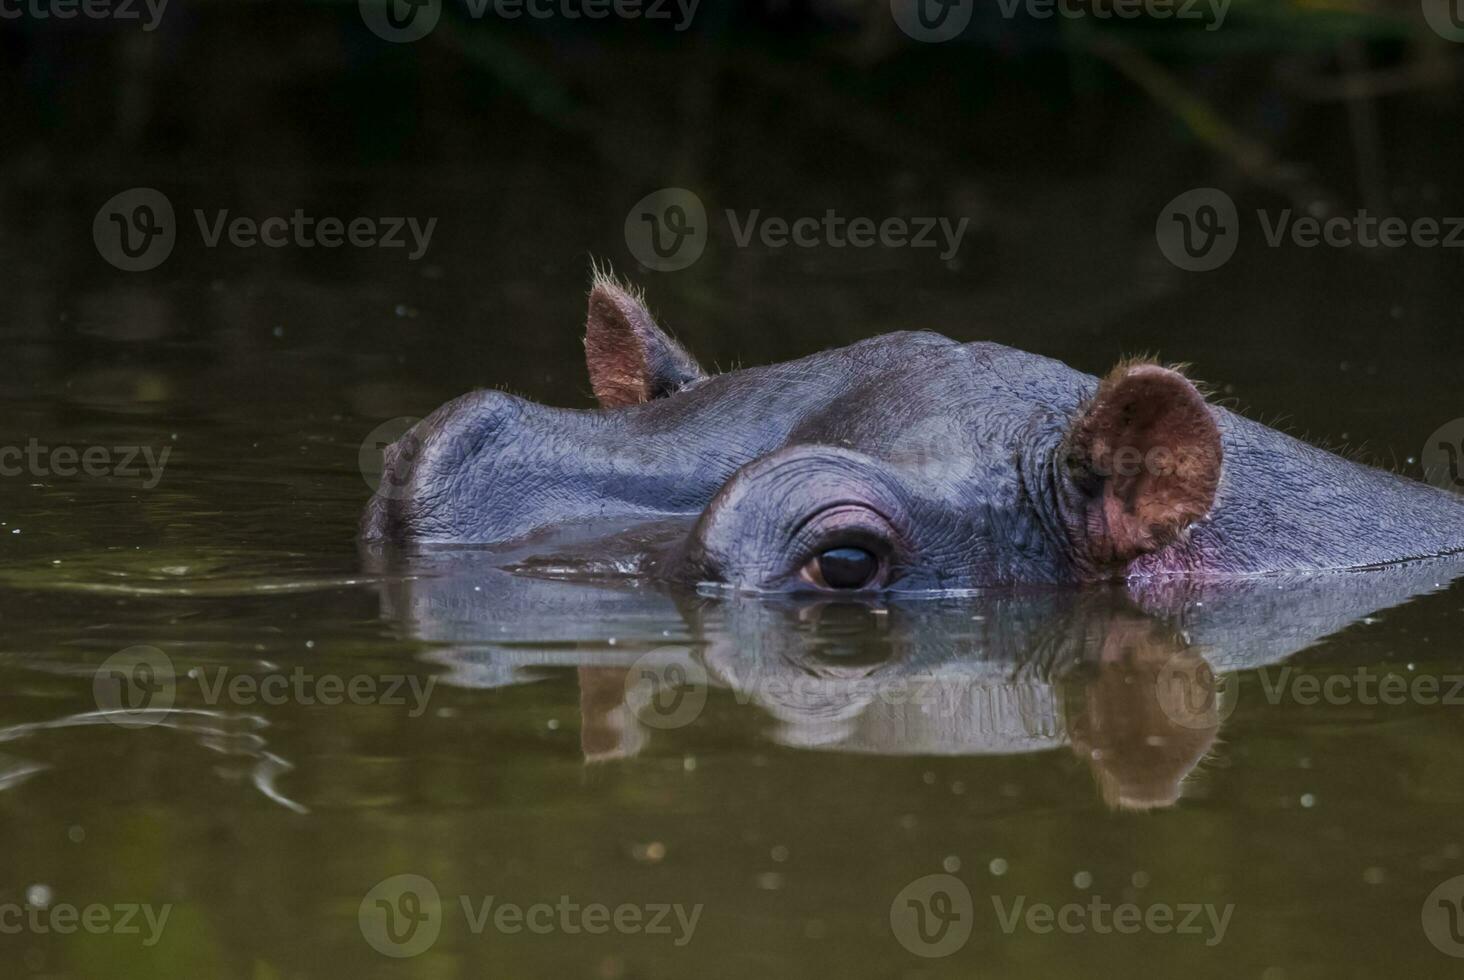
<point x="907" y="462"/>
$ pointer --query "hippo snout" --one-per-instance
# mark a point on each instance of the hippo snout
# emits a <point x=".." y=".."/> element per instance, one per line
<point x="439" y="481"/>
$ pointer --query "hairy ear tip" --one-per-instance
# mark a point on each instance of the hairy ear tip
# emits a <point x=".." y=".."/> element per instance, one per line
<point x="605" y="301"/>
<point x="617" y="313"/>
<point x="605" y="286"/>
<point x="1142" y="371"/>
<point x="1137" y="376"/>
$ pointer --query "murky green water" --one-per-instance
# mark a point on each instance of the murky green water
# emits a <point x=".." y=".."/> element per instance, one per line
<point x="231" y="745"/>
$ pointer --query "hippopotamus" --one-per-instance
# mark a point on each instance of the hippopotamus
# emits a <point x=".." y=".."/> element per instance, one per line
<point x="904" y="463"/>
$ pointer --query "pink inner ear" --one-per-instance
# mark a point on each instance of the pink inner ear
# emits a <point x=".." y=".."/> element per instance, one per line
<point x="616" y="331"/>
<point x="631" y="360"/>
<point x="1151" y="438"/>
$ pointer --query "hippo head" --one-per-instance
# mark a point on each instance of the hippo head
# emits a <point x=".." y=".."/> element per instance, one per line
<point x="907" y="462"/>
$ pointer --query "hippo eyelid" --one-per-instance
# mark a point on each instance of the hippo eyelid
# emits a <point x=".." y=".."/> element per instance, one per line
<point x="833" y="505"/>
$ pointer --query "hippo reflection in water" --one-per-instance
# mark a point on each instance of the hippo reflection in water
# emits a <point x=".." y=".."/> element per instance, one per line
<point x="903" y="463"/>
<point x="1135" y="681"/>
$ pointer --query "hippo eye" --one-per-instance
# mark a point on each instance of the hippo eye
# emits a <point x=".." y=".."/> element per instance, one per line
<point x="842" y="568"/>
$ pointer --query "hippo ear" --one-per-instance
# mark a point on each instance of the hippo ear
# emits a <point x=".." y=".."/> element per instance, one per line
<point x="631" y="360"/>
<point x="1144" y="458"/>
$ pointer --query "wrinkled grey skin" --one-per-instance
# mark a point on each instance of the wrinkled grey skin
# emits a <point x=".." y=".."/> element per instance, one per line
<point x="963" y="452"/>
<point x="1002" y="673"/>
